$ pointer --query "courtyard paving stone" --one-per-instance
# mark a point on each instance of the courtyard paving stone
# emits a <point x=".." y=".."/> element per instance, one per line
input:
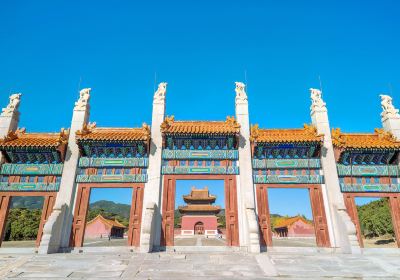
<point x="216" y="265"/>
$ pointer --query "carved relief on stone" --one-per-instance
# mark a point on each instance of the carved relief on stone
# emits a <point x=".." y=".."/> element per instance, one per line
<point x="389" y="111"/>
<point x="83" y="101"/>
<point x="12" y="106"/>
<point x="240" y="91"/>
<point x="317" y="104"/>
<point x="159" y="95"/>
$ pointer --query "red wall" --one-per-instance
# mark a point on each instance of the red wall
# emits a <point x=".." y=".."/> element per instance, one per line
<point x="301" y="229"/>
<point x="96" y="229"/>
<point x="209" y="222"/>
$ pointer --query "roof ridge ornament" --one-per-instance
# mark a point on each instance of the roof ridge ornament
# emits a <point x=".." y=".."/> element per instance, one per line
<point x="388" y="109"/>
<point x="317" y="103"/>
<point x="159" y="95"/>
<point x="383" y="134"/>
<point x="12" y="106"/>
<point x="240" y="91"/>
<point x="87" y="128"/>
<point x="254" y="132"/>
<point x="83" y="102"/>
<point x="337" y="136"/>
<point x="167" y="122"/>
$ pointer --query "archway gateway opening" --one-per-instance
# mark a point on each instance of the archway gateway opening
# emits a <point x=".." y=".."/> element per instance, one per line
<point x="107" y="218"/>
<point x="105" y="229"/>
<point x="376" y="217"/>
<point x="291" y="218"/>
<point x="270" y="231"/>
<point x="22" y="217"/>
<point x="213" y="229"/>
<point x="199" y="216"/>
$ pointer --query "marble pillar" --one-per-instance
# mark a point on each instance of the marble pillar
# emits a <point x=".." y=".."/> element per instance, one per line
<point x="151" y="218"/>
<point x="390" y="116"/>
<point x="57" y="230"/>
<point x="9" y="118"/>
<point x="248" y="226"/>
<point x="342" y="231"/>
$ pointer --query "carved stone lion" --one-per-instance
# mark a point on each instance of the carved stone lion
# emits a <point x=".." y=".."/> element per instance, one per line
<point x="240" y="91"/>
<point x="159" y="95"/>
<point x="13" y="105"/>
<point x="317" y="104"/>
<point x="83" y="101"/>
<point x="389" y="111"/>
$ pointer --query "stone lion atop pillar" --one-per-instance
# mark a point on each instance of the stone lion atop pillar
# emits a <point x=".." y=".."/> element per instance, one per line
<point x="83" y="101"/>
<point x="317" y="103"/>
<point x="240" y="91"/>
<point x="388" y="110"/>
<point x="159" y="95"/>
<point x="12" y="106"/>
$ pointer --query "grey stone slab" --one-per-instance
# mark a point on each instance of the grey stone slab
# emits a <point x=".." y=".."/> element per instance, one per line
<point x="95" y="275"/>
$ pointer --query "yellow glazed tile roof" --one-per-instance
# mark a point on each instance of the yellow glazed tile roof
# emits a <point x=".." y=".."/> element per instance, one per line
<point x="170" y="126"/>
<point x="306" y="134"/>
<point x="20" y="138"/>
<point x="380" y="139"/>
<point x="91" y="132"/>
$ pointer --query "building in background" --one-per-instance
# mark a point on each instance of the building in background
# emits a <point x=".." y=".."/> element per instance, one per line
<point x="199" y="216"/>
<point x="101" y="227"/>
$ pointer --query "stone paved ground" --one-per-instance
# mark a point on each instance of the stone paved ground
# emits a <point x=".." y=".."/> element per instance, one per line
<point x="227" y="265"/>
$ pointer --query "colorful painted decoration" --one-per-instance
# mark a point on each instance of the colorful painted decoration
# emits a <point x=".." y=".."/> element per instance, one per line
<point x="288" y="179"/>
<point x="31" y="169"/>
<point x="29" y="187"/>
<point x="113" y="162"/>
<point x="200" y="170"/>
<point x="200" y="154"/>
<point x="286" y="163"/>
<point x="125" y="178"/>
<point x="363" y="188"/>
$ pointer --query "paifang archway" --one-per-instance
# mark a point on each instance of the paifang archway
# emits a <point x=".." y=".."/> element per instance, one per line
<point x="111" y="158"/>
<point x="199" y="150"/>
<point x="289" y="158"/>
<point x="33" y="165"/>
<point x="368" y="166"/>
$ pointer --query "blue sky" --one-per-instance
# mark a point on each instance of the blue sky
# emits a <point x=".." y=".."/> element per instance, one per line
<point x="290" y="202"/>
<point x="200" y="48"/>
<point x="50" y="49"/>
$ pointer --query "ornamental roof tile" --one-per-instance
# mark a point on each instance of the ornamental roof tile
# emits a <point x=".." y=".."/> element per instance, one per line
<point x="306" y="134"/>
<point x="199" y="195"/>
<point x="200" y="208"/>
<point x="380" y="139"/>
<point x="286" y="222"/>
<point x="229" y="126"/>
<point x="109" y="222"/>
<point x="92" y="133"/>
<point x="21" y="139"/>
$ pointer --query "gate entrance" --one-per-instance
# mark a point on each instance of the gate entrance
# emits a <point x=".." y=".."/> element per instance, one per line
<point x="32" y="226"/>
<point x="81" y="214"/>
<point x="199" y="226"/>
<point x="318" y="213"/>
<point x="388" y="200"/>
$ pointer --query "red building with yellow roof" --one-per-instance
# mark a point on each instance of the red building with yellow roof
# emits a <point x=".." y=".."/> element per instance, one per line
<point x="199" y="215"/>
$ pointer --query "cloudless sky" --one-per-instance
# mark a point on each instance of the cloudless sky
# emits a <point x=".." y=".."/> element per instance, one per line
<point x="290" y="202"/>
<point x="200" y="48"/>
<point x="50" y="49"/>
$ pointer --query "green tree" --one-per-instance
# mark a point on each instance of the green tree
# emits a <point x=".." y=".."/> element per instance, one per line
<point x="375" y="218"/>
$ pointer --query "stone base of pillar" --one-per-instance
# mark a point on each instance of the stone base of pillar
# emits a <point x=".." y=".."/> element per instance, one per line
<point x="348" y="240"/>
<point x="254" y="237"/>
<point x="52" y="238"/>
<point x="147" y="234"/>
